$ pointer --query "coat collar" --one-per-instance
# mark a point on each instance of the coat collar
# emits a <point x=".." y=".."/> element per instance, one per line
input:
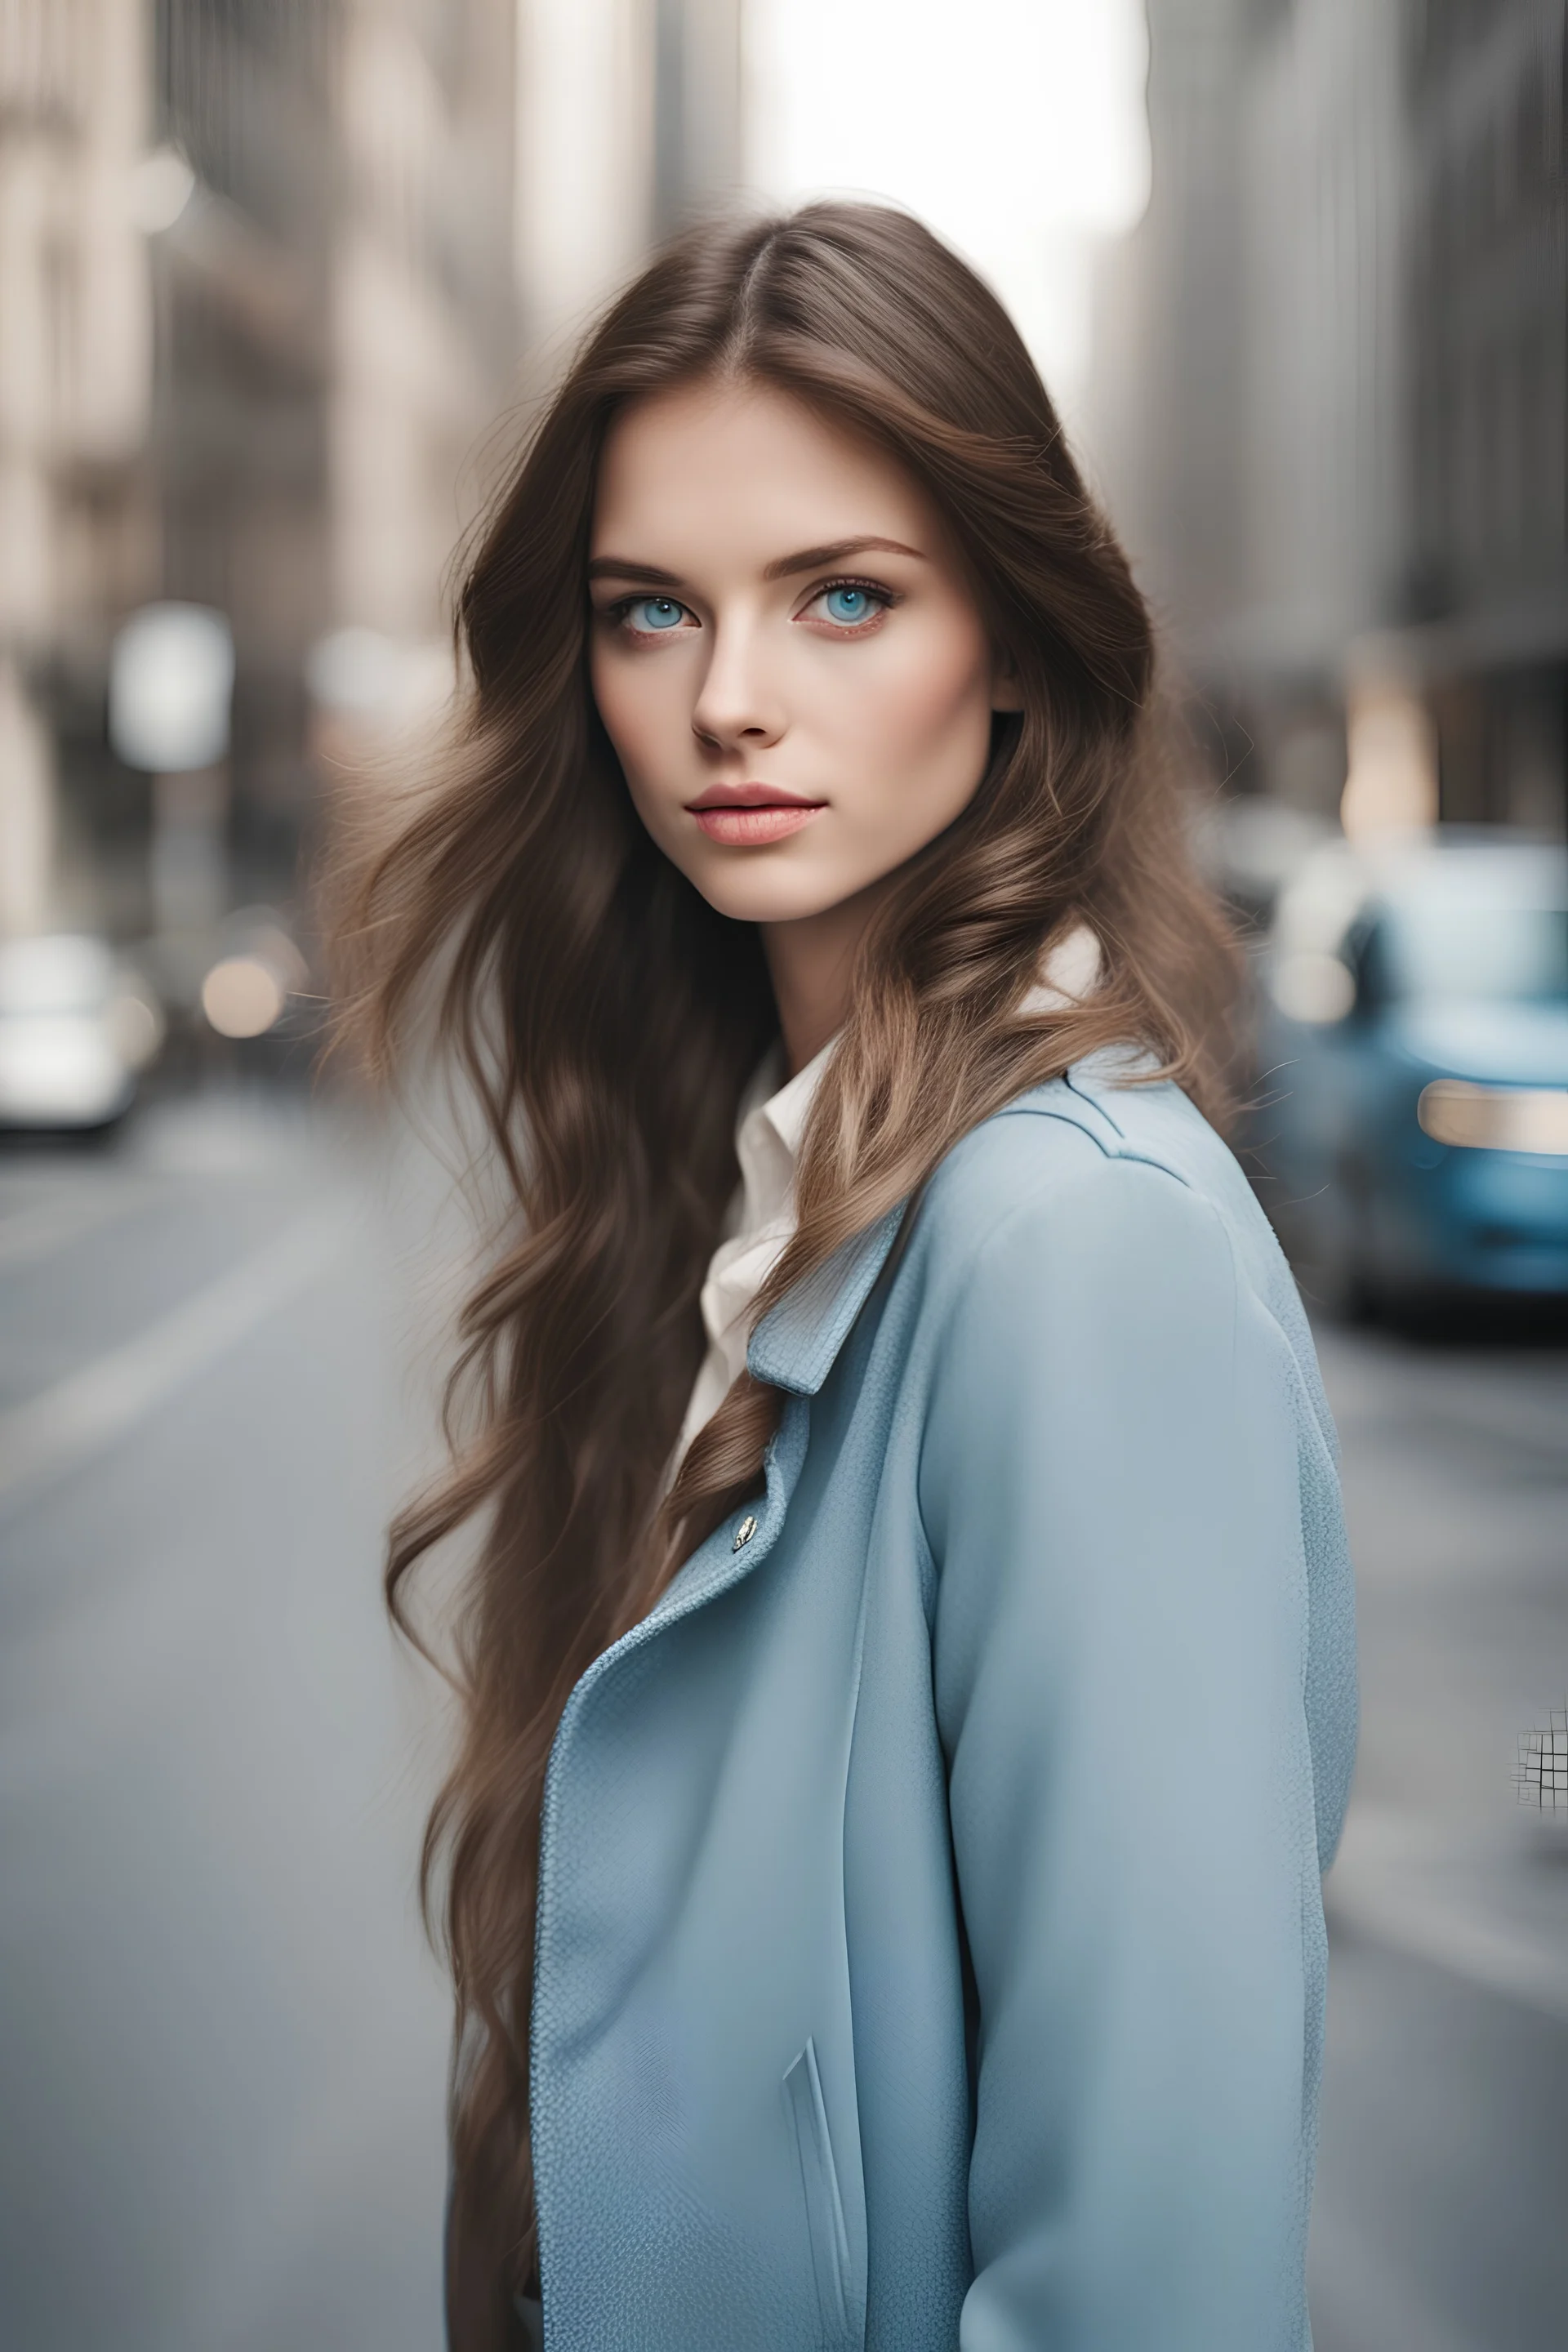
<point x="796" y="1346"/>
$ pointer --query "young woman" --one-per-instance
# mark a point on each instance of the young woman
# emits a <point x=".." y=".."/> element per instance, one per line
<point x="907" y="1676"/>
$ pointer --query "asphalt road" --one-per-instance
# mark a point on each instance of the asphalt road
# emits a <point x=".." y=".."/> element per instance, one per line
<point x="221" y="2044"/>
<point x="1442" y="2215"/>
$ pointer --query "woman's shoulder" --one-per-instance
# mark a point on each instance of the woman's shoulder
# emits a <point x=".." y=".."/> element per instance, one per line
<point x="1076" y="1139"/>
<point x="1112" y="1162"/>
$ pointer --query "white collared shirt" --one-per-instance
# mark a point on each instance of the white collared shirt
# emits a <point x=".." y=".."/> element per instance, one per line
<point x="759" y="1222"/>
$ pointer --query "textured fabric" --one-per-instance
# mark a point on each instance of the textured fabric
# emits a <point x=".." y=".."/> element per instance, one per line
<point x="930" y="1953"/>
<point x="770" y="1129"/>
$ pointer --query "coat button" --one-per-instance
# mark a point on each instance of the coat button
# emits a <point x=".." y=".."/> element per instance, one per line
<point x="744" y="1532"/>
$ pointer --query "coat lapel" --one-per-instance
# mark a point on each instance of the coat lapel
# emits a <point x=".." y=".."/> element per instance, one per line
<point x="794" y="1349"/>
<point x="796" y="1346"/>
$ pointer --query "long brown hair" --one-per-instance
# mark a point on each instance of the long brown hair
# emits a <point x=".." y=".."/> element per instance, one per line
<point x="608" y="1020"/>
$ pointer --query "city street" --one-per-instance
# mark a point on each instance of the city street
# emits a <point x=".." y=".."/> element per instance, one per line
<point x="223" y="2049"/>
<point x="221" y="2071"/>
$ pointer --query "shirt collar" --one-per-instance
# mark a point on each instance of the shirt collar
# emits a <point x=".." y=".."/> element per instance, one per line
<point x="795" y="1347"/>
<point x="768" y="1136"/>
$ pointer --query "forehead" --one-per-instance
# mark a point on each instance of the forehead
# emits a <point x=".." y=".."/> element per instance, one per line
<point x="745" y="471"/>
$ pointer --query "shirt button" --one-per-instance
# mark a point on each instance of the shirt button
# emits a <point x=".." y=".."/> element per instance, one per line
<point x="744" y="1532"/>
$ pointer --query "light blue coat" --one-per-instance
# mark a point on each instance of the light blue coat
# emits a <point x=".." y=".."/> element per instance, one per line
<point x="930" y="1945"/>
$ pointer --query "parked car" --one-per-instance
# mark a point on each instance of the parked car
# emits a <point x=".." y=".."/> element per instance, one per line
<point x="1414" y="1069"/>
<point x="76" y="1027"/>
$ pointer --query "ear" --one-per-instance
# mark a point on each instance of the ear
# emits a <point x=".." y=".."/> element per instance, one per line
<point x="1006" y="692"/>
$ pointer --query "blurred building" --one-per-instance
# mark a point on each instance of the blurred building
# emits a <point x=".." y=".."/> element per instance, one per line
<point x="425" y="330"/>
<point x="270" y="270"/>
<point x="629" y="123"/>
<point x="1331" y="394"/>
<point x="1488" y="88"/>
<point x="239" y="455"/>
<point x="256" y="265"/>
<point x="76" y="398"/>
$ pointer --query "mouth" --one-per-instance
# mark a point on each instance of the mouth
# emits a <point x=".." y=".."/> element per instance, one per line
<point x="748" y="816"/>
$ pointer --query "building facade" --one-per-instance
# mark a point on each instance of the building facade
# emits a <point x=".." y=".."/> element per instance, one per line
<point x="1332" y="375"/>
<point x="77" y="516"/>
<point x="1488" y="549"/>
<point x="247" y="95"/>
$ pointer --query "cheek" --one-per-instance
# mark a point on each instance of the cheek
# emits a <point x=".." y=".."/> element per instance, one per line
<point x="640" y="710"/>
<point x="921" y="722"/>
<point x="615" y="703"/>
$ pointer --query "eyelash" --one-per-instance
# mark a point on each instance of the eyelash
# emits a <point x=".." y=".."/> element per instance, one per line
<point x="616" y="614"/>
<point x="885" y="598"/>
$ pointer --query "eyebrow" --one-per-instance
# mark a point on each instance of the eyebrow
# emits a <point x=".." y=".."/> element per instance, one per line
<point x="621" y="567"/>
<point x="837" y="551"/>
<point x="807" y="558"/>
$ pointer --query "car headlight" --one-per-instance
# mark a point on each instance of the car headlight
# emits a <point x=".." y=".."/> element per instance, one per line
<point x="1496" y="1118"/>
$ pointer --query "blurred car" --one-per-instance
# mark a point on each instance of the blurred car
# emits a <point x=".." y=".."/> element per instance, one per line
<point x="1414" y="1059"/>
<point x="76" y="1027"/>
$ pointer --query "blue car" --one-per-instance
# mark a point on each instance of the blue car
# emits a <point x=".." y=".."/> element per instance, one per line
<point x="1411" y="1112"/>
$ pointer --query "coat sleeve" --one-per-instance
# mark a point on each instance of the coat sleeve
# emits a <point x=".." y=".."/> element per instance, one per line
<point x="1109" y="1488"/>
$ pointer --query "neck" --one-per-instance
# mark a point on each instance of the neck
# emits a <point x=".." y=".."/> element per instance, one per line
<point x="811" y="963"/>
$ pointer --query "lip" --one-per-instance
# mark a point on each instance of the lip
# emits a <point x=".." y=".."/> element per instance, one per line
<point x="748" y="816"/>
<point x="717" y="796"/>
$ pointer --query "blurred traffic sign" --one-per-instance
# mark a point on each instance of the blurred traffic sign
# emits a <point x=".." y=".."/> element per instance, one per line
<point x="171" y="684"/>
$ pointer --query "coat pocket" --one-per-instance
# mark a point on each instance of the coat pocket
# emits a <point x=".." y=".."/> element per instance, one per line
<point x="824" y="2206"/>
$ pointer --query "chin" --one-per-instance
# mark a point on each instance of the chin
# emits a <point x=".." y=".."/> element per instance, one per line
<point x="762" y="891"/>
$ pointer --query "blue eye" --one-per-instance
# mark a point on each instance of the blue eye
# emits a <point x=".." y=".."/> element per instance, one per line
<point x="654" y="613"/>
<point x="848" y="605"/>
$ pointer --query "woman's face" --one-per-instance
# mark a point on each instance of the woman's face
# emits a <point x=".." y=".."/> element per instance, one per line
<point x="785" y="654"/>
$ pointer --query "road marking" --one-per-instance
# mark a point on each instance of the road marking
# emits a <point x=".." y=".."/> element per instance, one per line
<point x="62" y="1428"/>
<point x="28" y="1234"/>
<point x="1508" y="1399"/>
<point x="1396" y="1885"/>
<point x="1490" y="1958"/>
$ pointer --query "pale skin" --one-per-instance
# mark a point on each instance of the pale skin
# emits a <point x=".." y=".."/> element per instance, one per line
<point x="792" y="668"/>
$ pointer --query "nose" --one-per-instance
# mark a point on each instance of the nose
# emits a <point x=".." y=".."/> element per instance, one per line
<point x="738" y="705"/>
